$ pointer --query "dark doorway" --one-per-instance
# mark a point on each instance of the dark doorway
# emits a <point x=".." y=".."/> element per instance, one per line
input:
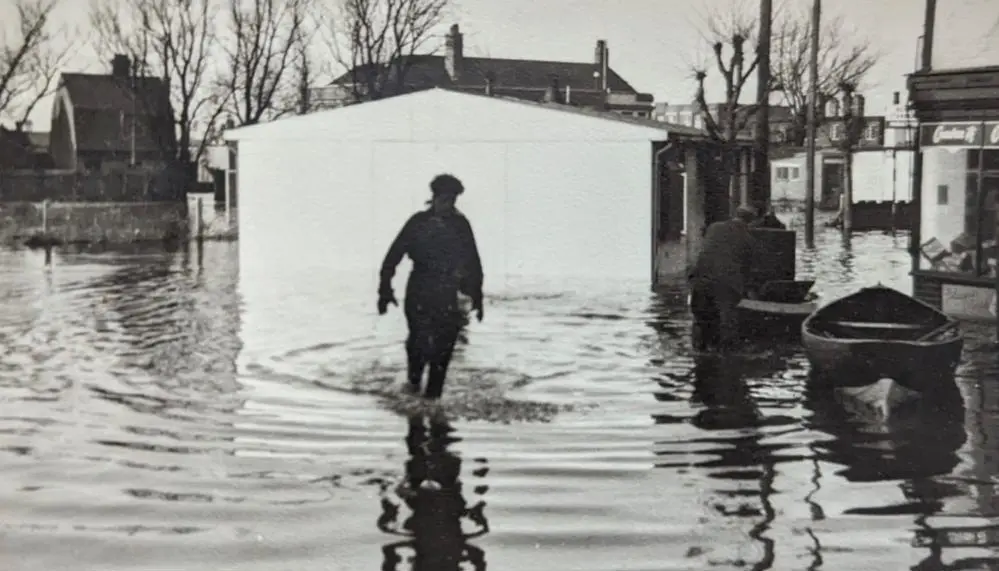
<point x="832" y="185"/>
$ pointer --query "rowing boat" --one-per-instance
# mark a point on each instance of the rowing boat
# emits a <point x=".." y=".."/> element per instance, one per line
<point x="879" y="333"/>
<point x="778" y="310"/>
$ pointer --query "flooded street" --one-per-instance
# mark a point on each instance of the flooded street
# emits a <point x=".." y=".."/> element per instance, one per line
<point x="156" y="413"/>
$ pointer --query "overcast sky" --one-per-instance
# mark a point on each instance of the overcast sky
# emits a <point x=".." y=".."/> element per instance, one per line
<point x="652" y="42"/>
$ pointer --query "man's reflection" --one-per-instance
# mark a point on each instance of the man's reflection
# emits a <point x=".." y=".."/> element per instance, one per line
<point x="720" y="385"/>
<point x="724" y="394"/>
<point x="432" y="491"/>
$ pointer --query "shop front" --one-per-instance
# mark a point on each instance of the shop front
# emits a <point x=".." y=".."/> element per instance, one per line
<point x="954" y="266"/>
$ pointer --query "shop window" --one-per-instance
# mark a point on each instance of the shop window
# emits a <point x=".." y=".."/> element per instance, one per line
<point x="989" y="159"/>
<point x="958" y="221"/>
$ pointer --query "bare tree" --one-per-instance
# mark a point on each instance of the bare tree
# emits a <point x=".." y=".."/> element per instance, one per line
<point x="31" y="61"/>
<point x="262" y="53"/>
<point x="733" y="31"/>
<point x="308" y="67"/>
<point x="172" y="40"/>
<point x="844" y="59"/>
<point x="729" y="34"/>
<point x="375" y="40"/>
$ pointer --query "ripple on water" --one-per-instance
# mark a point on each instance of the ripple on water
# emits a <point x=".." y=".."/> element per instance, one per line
<point x="150" y="418"/>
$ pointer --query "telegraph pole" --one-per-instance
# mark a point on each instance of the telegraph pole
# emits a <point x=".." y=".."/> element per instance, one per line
<point x="762" y="190"/>
<point x="813" y="102"/>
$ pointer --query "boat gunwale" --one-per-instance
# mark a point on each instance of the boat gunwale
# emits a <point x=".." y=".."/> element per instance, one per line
<point x="874" y="340"/>
<point x="807" y="331"/>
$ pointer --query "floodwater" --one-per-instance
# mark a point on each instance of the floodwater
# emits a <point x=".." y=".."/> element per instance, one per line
<point x="156" y="415"/>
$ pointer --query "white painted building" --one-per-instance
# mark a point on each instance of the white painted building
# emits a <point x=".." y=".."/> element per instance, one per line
<point x="552" y="192"/>
<point x="879" y="174"/>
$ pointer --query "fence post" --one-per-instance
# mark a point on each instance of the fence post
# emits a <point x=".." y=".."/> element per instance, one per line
<point x="198" y="222"/>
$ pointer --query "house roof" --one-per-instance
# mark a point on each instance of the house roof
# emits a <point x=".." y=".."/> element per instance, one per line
<point x="33" y="141"/>
<point x="38" y="140"/>
<point x="97" y="91"/>
<point x="429" y="71"/>
<point x="101" y="103"/>
<point x="24" y="149"/>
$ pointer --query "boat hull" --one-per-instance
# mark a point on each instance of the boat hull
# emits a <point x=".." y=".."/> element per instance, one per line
<point x="879" y="333"/>
<point x="768" y="319"/>
<point x="918" y="367"/>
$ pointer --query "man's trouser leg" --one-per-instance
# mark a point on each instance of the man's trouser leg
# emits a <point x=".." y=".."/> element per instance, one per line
<point x="446" y="331"/>
<point x="704" y="334"/>
<point x="727" y="302"/>
<point x="417" y="344"/>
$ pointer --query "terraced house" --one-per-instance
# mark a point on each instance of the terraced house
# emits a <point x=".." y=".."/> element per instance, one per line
<point x="592" y="85"/>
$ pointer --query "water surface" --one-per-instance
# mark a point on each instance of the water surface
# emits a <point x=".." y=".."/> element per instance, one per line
<point x="155" y="413"/>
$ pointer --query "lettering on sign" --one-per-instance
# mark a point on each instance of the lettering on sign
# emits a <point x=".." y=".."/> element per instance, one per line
<point x="992" y="134"/>
<point x="942" y="134"/>
<point x="960" y="134"/>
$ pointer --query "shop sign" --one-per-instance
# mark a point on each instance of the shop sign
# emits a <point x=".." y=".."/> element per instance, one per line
<point x="951" y="134"/>
<point x="992" y="134"/>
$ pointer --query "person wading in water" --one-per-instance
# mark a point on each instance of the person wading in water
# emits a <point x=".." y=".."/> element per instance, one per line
<point x="719" y="280"/>
<point x="441" y="244"/>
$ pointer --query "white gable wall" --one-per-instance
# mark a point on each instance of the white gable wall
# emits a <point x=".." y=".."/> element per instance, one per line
<point x="551" y="195"/>
<point x="442" y="115"/>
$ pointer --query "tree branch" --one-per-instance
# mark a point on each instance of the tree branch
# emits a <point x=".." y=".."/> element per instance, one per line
<point x="176" y="42"/>
<point x="30" y="62"/>
<point x="375" y="41"/>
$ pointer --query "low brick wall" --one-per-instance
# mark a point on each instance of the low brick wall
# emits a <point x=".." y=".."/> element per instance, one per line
<point x="77" y="222"/>
<point x="122" y="185"/>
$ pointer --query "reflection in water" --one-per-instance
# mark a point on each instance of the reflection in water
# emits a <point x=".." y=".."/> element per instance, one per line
<point x="917" y="446"/>
<point x="845" y="258"/>
<point x="128" y="435"/>
<point x="917" y="442"/>
<point x="721" y="388"/>
<point x="433" y="492"/>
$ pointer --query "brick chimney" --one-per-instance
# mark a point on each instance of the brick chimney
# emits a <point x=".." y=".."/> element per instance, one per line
<point x="454" y="53"/>
<point x="121" y="65"/>
<point x="600" y="57"/>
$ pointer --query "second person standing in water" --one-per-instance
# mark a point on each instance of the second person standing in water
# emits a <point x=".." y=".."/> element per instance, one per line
<point x="720" y="277"/>
<point x="441" y="244"/>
